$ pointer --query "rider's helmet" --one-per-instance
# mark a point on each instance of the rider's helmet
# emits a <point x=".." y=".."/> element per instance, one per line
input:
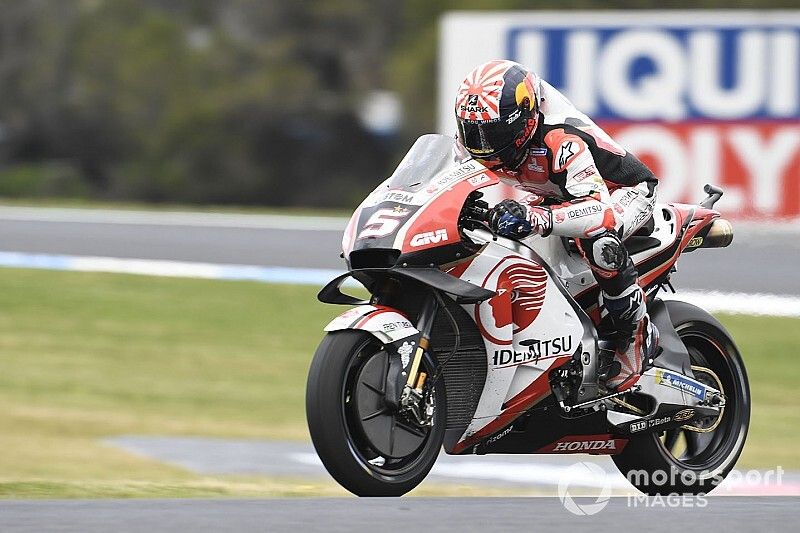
<point x="497" y="108"/>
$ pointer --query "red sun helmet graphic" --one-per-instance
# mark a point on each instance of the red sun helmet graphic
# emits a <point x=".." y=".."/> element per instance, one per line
<point x="479" y="94"/>
<point x="521" y="287"/>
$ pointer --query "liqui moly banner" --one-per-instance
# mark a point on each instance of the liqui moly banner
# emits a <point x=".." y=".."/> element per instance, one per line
<point x="701" y="97"/>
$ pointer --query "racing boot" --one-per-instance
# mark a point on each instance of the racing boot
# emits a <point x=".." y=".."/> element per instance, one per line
<point x="637" y="336"/>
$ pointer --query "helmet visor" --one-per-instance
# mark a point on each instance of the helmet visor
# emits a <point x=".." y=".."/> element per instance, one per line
<point x="483" y="141"/>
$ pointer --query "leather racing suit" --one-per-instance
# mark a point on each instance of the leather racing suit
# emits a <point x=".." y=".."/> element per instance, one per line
<point x="585" y="186"/>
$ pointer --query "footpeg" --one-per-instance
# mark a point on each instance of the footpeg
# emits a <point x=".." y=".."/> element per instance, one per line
<point x="583" y="405"/>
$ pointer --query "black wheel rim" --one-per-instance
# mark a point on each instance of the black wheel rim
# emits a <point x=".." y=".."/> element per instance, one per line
<point x="400" y="449"/>
<point x="389" y="435"/>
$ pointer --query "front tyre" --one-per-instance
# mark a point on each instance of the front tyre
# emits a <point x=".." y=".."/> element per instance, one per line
<point x="689" y="461"/>
<point x="369" y="449"/>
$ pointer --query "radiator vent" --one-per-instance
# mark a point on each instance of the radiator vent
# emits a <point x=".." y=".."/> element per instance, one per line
<point x="465" y="373"/>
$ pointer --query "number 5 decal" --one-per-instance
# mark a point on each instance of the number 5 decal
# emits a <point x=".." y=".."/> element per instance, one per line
<point x="383" y="222"/>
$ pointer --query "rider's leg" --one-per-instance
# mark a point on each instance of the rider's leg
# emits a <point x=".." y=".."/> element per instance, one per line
<point x="622" y="304"/>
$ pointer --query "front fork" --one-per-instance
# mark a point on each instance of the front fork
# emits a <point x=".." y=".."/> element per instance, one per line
<point x="413" y="399"/>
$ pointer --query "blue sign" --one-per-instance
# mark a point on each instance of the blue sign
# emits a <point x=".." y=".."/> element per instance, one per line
<point x="668" y="73"/>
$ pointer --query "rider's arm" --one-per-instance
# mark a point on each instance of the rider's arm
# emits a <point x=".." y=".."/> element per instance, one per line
<point x="589" y="213"/>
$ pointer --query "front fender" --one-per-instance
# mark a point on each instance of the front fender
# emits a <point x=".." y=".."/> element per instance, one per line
<point x="386" y="324"/>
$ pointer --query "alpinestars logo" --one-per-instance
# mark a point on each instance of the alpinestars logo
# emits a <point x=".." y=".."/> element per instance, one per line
<point x="429" y="237"/>
<point x="567" y="151"/>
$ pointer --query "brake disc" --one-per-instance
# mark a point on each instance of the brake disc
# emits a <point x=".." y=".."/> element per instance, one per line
<point x="388" y="432"/>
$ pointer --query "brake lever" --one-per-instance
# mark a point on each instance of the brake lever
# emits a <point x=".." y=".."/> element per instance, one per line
<point x="475" y="213"/>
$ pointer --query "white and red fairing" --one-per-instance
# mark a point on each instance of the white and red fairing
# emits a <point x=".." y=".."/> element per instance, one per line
<point x="531" y="325"/>
<point x="412" y="221"/>
<point x="528" y="328"/>
<point x="537" y="309"/>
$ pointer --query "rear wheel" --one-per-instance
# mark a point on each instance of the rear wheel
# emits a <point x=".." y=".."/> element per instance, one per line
<point x="370" y="449"/>
<point x="695" y="459"/>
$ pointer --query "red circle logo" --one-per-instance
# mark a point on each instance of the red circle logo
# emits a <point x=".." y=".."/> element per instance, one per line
<point x="521" y="286"/>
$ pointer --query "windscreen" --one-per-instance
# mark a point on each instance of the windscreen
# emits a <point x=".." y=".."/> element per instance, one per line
<point x="430" y="155"/>
<point x="436" y="175"/>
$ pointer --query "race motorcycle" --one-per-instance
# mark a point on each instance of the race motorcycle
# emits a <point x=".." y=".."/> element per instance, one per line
<point x="483" y="344"/>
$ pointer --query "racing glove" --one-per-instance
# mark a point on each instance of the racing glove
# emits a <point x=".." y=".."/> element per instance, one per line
<point x="511" y="219"/>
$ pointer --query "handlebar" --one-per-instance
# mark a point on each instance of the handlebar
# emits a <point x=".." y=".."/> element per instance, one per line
<point x="476" y="214"/>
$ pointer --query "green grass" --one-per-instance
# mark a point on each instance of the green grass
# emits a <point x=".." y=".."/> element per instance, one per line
<point x="87" y="356"/>
<point x="184" y="356"/>
<point x="770" y="350"/>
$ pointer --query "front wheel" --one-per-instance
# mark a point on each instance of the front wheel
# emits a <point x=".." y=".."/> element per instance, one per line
<point x="370" y="449"/>
<point x="695" y="460"/>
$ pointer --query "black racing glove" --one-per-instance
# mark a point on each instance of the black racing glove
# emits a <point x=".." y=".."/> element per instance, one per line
<point x="509" y="218"/>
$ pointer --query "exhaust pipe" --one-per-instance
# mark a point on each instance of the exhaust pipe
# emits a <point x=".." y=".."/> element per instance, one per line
<point x="719" y="235"/>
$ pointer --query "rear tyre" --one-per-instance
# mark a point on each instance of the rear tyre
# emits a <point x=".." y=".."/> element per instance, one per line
<point x="369" y="449"/>
<point x="695" y="462"/>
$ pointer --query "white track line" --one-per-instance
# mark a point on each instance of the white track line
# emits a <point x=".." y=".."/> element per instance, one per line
<point x="737" y="303"/>
<point x="178" y="269"/>
<point x="741" y="303"/>
<point x="172" y="218"/>
<point x="544" y="474"/>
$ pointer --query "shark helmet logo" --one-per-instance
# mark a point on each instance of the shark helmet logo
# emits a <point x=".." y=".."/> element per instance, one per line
<point x="479" y="94"/>
<point x="520" y="287"/>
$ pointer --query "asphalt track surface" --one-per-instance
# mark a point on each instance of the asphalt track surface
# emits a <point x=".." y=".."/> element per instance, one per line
<point x="523" y="475"/>
<point x="774" y="514"/>
<point x="762" y="259"/>
<point x="266" y="245"/>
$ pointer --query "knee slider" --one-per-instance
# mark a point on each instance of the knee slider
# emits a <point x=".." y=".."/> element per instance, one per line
<point x="609" y="253"/>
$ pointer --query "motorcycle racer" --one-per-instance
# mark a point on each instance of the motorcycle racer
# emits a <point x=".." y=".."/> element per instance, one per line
<point x="583" y="185"/>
